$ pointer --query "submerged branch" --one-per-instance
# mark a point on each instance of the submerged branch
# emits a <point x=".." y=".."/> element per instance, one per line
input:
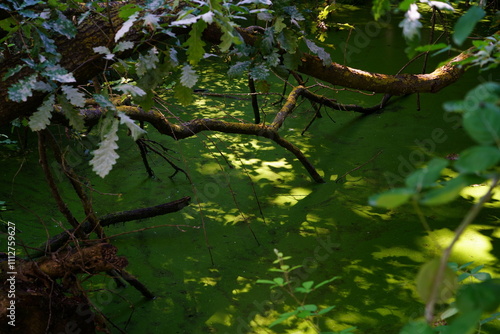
<point x="61" y="239"/>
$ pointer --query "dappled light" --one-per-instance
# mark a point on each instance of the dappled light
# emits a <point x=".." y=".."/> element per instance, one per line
<point x="261" y="184"/>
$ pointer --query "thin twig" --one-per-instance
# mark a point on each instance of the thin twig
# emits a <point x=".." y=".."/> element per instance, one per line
<point x="354" y="169"/>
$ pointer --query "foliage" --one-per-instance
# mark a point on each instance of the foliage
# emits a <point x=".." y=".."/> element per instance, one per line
<point x="286" y="28"/>
<point x="307" y="312"/>
<point x="476" y="164"/>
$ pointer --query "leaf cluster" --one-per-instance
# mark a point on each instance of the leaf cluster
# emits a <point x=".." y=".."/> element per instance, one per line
<point x="476" y="164"/>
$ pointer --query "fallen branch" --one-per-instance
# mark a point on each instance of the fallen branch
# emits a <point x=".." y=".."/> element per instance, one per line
<point x="56" y="242"/>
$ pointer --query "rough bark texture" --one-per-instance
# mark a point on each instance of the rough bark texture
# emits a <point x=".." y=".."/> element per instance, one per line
<point x="32" y="298"/>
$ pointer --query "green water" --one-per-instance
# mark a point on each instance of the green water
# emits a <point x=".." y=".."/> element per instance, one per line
<point x="203" y="270"/>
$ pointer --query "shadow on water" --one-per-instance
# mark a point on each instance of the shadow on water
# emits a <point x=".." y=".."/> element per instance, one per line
<point x="328" y="228"/>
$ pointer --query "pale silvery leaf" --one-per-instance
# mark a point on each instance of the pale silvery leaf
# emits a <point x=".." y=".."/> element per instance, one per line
<point x="102" y="50"/>
<point x="135" y="129"/>
<point x="188" y="77"/>
<point x="147" y="62"/>
<point x="152" y="21"/>
<point x="439" y="5"/>
<point x="105" y="156"/>
<point x="265" y="16"/>
<point x="41" y="118"/>
<point x="122" y="46"/>
<point x="126" y="26"/>
<point x="190" y="19"/>
<point x="103" y="101"/>
<point x="105" y="51"/>
<point x="23" y="89"/>
<point x="131" y="89"/>
<point x="74" y="96"/>
<point x="411" y="24"/>
<point x="154" y="5"/>
<point x="58" y="73"/>
<point x="42" y="86"/>
<point x="322" y="54"/>
<point x="264" y="2"/>
<point x="208" y="17"/>
<point x="173" y="57"/>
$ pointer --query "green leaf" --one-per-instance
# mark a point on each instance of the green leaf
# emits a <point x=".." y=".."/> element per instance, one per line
<point x="425" y="281"/>
<point x="477" y="159"/>
<point x="288" y="41"/>
<point x="291" y="60"/>
<point x="308" y="307"/>
<point x="431" y="47"/>
<point x="279" y="281"/>
<point x="227" y="40"/>
<point x="477" y="269"/>
<point x="183" y="94"/>
<point x="41" y="118"/>
<point x="295" y="267"/>
<point x="427" y="176"/>
<point x="266" y="281"/>
<point x="74" y="118"/>
<point x="326" y="282"/>
<point x="483" y="123"/>
<point x="449" y="313"/>
<point x="194" y="43"/>
<point x="391" y="198"/>
<point x="484" y="297"/>
<point x="283" y="317"/>
<point x="463" y="276"/>
<point x="482" y="276"/>
<point x="405" y="5"/>
<point x="494" y="316"/>
<point x="380" y="7"/>
<point x="325" y="310"/>
<point x="464" y="323"/>
<point x="466" y="23"/>
<point x="128" y="10"/>
<point x="465" y="265"/>
<point x="308" y="285"/>
<point x="417" y="327"/>
<point x="267" y="42"/>
<point x="279" y="25"/>
<point x="450" y="190"/>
